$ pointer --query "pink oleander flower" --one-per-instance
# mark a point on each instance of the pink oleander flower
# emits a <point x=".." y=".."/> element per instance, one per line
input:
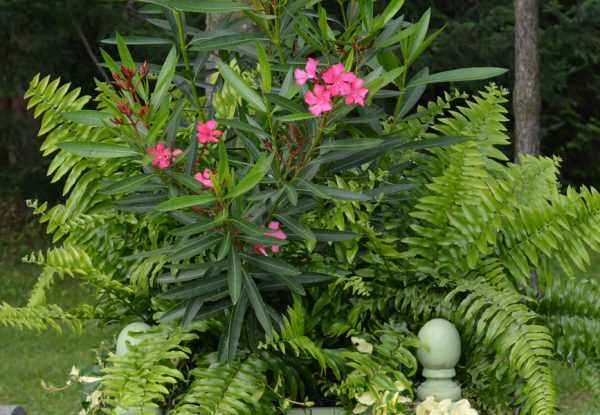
<point x="204" y="178"/>
<point x="207" y="132"/>
<point x="162" y="156"/>
<point x="274" y="232"/>
<point x="319" y="100"/>
<point x="310" y="72"/>
<point x="337" y="80"/>
<point x="357" y="94"/>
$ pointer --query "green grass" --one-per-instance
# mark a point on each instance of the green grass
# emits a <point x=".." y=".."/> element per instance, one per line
<point x="28" y="357"/>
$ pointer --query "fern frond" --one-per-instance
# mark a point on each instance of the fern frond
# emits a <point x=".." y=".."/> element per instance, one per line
<point x="142" y="377"/>
<point x="37" y="317"/>
<point x="291" y="338"/>
<point x="501" y="319"/>
<point x="227" y="389"/>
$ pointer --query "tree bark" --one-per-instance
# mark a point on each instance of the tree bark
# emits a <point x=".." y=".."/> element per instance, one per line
<point x="527" y="94"/>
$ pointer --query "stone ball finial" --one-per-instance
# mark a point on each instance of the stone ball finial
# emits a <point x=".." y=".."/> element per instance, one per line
<point x="439" y="360"/>
<point x="126" y="338"/>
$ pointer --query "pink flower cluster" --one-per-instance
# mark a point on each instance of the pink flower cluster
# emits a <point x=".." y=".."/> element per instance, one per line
<point x="275" y="232"/>
<point x="207" y="132"/>
<point x="162" y="156"/>
<point x="204" y="178"/>
<point x="335" y="82"/>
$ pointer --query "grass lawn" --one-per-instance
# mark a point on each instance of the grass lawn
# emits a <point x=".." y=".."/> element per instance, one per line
<point x="28" y="357"/>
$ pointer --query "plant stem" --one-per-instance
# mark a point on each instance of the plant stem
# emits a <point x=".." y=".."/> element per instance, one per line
<point x="186" y="59"/>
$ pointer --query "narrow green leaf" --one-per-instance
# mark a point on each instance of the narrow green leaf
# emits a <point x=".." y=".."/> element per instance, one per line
<point x="124" y="52"/>
<point x="139" y="40"/>
<point x="326" y="235"/>
<point x="164" y="78"/>
<point x="183" y="202"/>
<point x="285" y="103"/>
<point x="225" y="42"/>
<point x="201" y="226"/>
<point x="314" y="189"/>
<point x="206" y="6"/>
<point x="291" y="194"/>
<point x="265" y="68"/>
<point x="296" y="117"/>
<point x="253" y="177"/>
<point x="194" y="247"/>
<point x="239" y="85"/>
<point x="240" y="125"/>
<point x="260" y="309"/>
<point x="297" y="227"/>
<point x="262" y="240"/>
<point x="192" y="308"/>
<point x="343" y="194"/>
<point x="230" y="337"/>
<point x="381" y="81"/>
<point x="203" y="288"/>
<point x="247" y="228"/>
<point x="97" y="150"/>
<point x="352" y="144"/>
<point x="460" y="75"/>
<point x="234" y="274"/>
<point x="272" y="265"/>
<point x="126" y="185"/>
<point x="225" y="246"/>
<point x="88" y="117"/>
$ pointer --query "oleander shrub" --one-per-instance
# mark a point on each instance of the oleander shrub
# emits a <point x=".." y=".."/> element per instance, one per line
<point x="281" y="213"/>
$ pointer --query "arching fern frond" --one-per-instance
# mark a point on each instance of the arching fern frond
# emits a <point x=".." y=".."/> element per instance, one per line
<point x="142" y="377"/>
<point x="37" y="317"/>
<point x="225" y="389"/>
<point x="501" y="319"/>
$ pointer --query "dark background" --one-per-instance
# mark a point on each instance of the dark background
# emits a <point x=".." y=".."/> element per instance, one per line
<point x="50" y="36"/>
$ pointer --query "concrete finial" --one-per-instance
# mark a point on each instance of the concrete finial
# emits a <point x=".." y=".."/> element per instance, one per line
<point x="439" y="361"/>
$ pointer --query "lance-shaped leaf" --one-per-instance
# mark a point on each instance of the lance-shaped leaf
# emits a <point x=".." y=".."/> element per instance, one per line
<point x="244" y="126"/>
<point x="459" y="75"/>
<point x="194" y="247"/>
<point x="225" y="42"/>
<point x="325" y="235"/>
<point x="203" y="288"/>
<point x="164" y="78"/>
<point x="183" y="202"/>
<point x="239" y="85"/>
<point x="234" y="274"/>
<point x="230" y="337"/>
<point x="265" y="68"/>
<point x="191" y="309"/>
<point x="88" y="117"/>
<point x="248" y="228"/>
<point x="200" y="226"/>
<point x="262" y="240"/>
<point x="259" y="306"/>
<point x="203" y="6"/>
<point x="139" y="40"/>
<point x="297" y="227"/>
<point x="126" y="185"/>
<point x="97" y="150"/>
<point x="343" y="194"/>
<point x="272" y="265"/>
<point x="253" y="177"/>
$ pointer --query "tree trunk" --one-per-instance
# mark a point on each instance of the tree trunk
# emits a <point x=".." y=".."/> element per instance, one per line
<point x="527" y="95"/>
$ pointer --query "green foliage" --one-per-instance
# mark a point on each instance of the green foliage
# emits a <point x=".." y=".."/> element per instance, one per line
<point x="225" y="388"/>
<point x="367" y="220"/>
<point x="142" y="377"/>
